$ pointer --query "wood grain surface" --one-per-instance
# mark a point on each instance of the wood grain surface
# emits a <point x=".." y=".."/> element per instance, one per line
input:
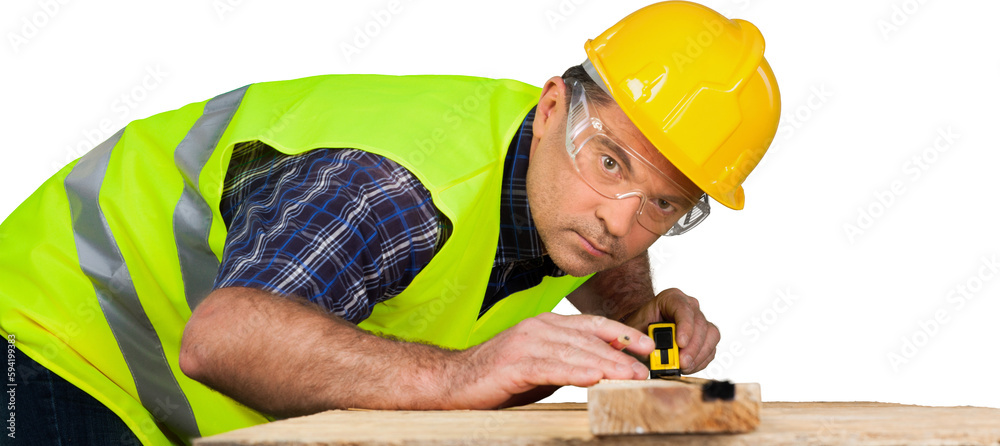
<point x="669" y="406"/>
<point x="566" y="424"/>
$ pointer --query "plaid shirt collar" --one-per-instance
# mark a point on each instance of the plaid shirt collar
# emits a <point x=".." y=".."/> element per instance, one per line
<point x="519" y="240"/>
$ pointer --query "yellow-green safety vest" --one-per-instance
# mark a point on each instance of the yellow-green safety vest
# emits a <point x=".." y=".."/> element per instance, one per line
<point x="101" y="267"/>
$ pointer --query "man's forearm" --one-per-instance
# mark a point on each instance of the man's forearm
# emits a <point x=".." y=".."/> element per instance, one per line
<point x="616" y="292"/>
<point x="288" y="357"/>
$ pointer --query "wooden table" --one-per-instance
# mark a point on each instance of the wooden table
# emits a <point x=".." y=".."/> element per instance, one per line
<point x="566" y="424"/>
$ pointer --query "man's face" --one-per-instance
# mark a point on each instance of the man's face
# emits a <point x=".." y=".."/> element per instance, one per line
<point x="583" y="231"/>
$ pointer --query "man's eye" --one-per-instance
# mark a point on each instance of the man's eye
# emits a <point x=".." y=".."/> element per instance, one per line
<point x="610" y="164"/>
<point x="664" y="205"/>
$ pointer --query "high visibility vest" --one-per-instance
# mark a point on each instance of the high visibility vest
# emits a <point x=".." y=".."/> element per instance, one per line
<point x="101" y="267"/>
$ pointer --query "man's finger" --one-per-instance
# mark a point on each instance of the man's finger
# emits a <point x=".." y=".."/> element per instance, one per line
<point x="574" y="356"/>
<point x="605" y="329"/>
<point x="682" y="315"/>
<point x="695" y="356"/>
<point x="708" y="360"/>
<point x="699" y="333"/>
<point x="580" y="348"/>
<point x="690" y="359"/>
<point x="551" y="372"/>
<point x="708" y="346"/>
<point x="574" y="349"/>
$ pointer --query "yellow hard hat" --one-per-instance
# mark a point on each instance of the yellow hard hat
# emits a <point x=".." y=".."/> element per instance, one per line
<point x="697" y="86"/>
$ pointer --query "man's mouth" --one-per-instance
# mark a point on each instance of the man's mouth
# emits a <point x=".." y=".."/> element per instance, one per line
<point x="591" y="247"/>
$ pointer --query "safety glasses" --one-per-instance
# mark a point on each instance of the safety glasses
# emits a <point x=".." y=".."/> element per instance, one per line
<point x="615" y="170"/>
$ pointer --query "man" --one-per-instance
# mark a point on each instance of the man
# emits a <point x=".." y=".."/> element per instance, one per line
<point x="383" y="242"/>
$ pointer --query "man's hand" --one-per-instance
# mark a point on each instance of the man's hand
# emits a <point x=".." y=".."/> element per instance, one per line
<point x="546" y="350"/>
<point x="696" y="336"/>
<point x="314" y="361"/>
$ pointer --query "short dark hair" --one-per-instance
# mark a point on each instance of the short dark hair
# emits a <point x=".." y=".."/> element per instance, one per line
<point x="595" y="93"/>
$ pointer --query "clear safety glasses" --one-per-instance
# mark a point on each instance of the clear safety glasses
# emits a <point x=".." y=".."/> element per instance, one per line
<point x="616" y="171"/>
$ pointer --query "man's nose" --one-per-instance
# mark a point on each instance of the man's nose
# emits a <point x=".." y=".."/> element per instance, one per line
<point x="619" y="214"/>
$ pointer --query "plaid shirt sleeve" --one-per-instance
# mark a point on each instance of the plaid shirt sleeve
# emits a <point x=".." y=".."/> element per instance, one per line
<point x="344" y="228"/>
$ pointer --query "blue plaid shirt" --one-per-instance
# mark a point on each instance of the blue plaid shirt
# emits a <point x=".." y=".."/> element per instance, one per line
<point x="348" y="229"/>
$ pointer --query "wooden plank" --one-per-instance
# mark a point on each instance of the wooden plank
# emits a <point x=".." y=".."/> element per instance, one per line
<point x="670" y="406"/>
<point x="781" y="424"/>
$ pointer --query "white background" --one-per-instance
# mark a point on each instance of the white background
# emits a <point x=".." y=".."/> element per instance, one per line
<point x="866" y="87"/>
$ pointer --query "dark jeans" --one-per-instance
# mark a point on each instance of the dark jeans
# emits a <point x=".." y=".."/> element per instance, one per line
<point x="48" y="410"/>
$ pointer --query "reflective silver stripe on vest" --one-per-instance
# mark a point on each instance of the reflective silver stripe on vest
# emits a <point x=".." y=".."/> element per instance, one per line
<point x="102" y="262"/>
<point x="193" y="216"/>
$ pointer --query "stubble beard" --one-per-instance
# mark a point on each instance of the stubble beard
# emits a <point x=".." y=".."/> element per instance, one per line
<point x="563" y="247"/>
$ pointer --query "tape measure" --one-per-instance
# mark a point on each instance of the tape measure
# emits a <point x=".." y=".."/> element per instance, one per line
<point x="663" y="361"/>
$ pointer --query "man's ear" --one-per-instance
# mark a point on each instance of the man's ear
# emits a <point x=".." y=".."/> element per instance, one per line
<point x="551" y="108"/>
